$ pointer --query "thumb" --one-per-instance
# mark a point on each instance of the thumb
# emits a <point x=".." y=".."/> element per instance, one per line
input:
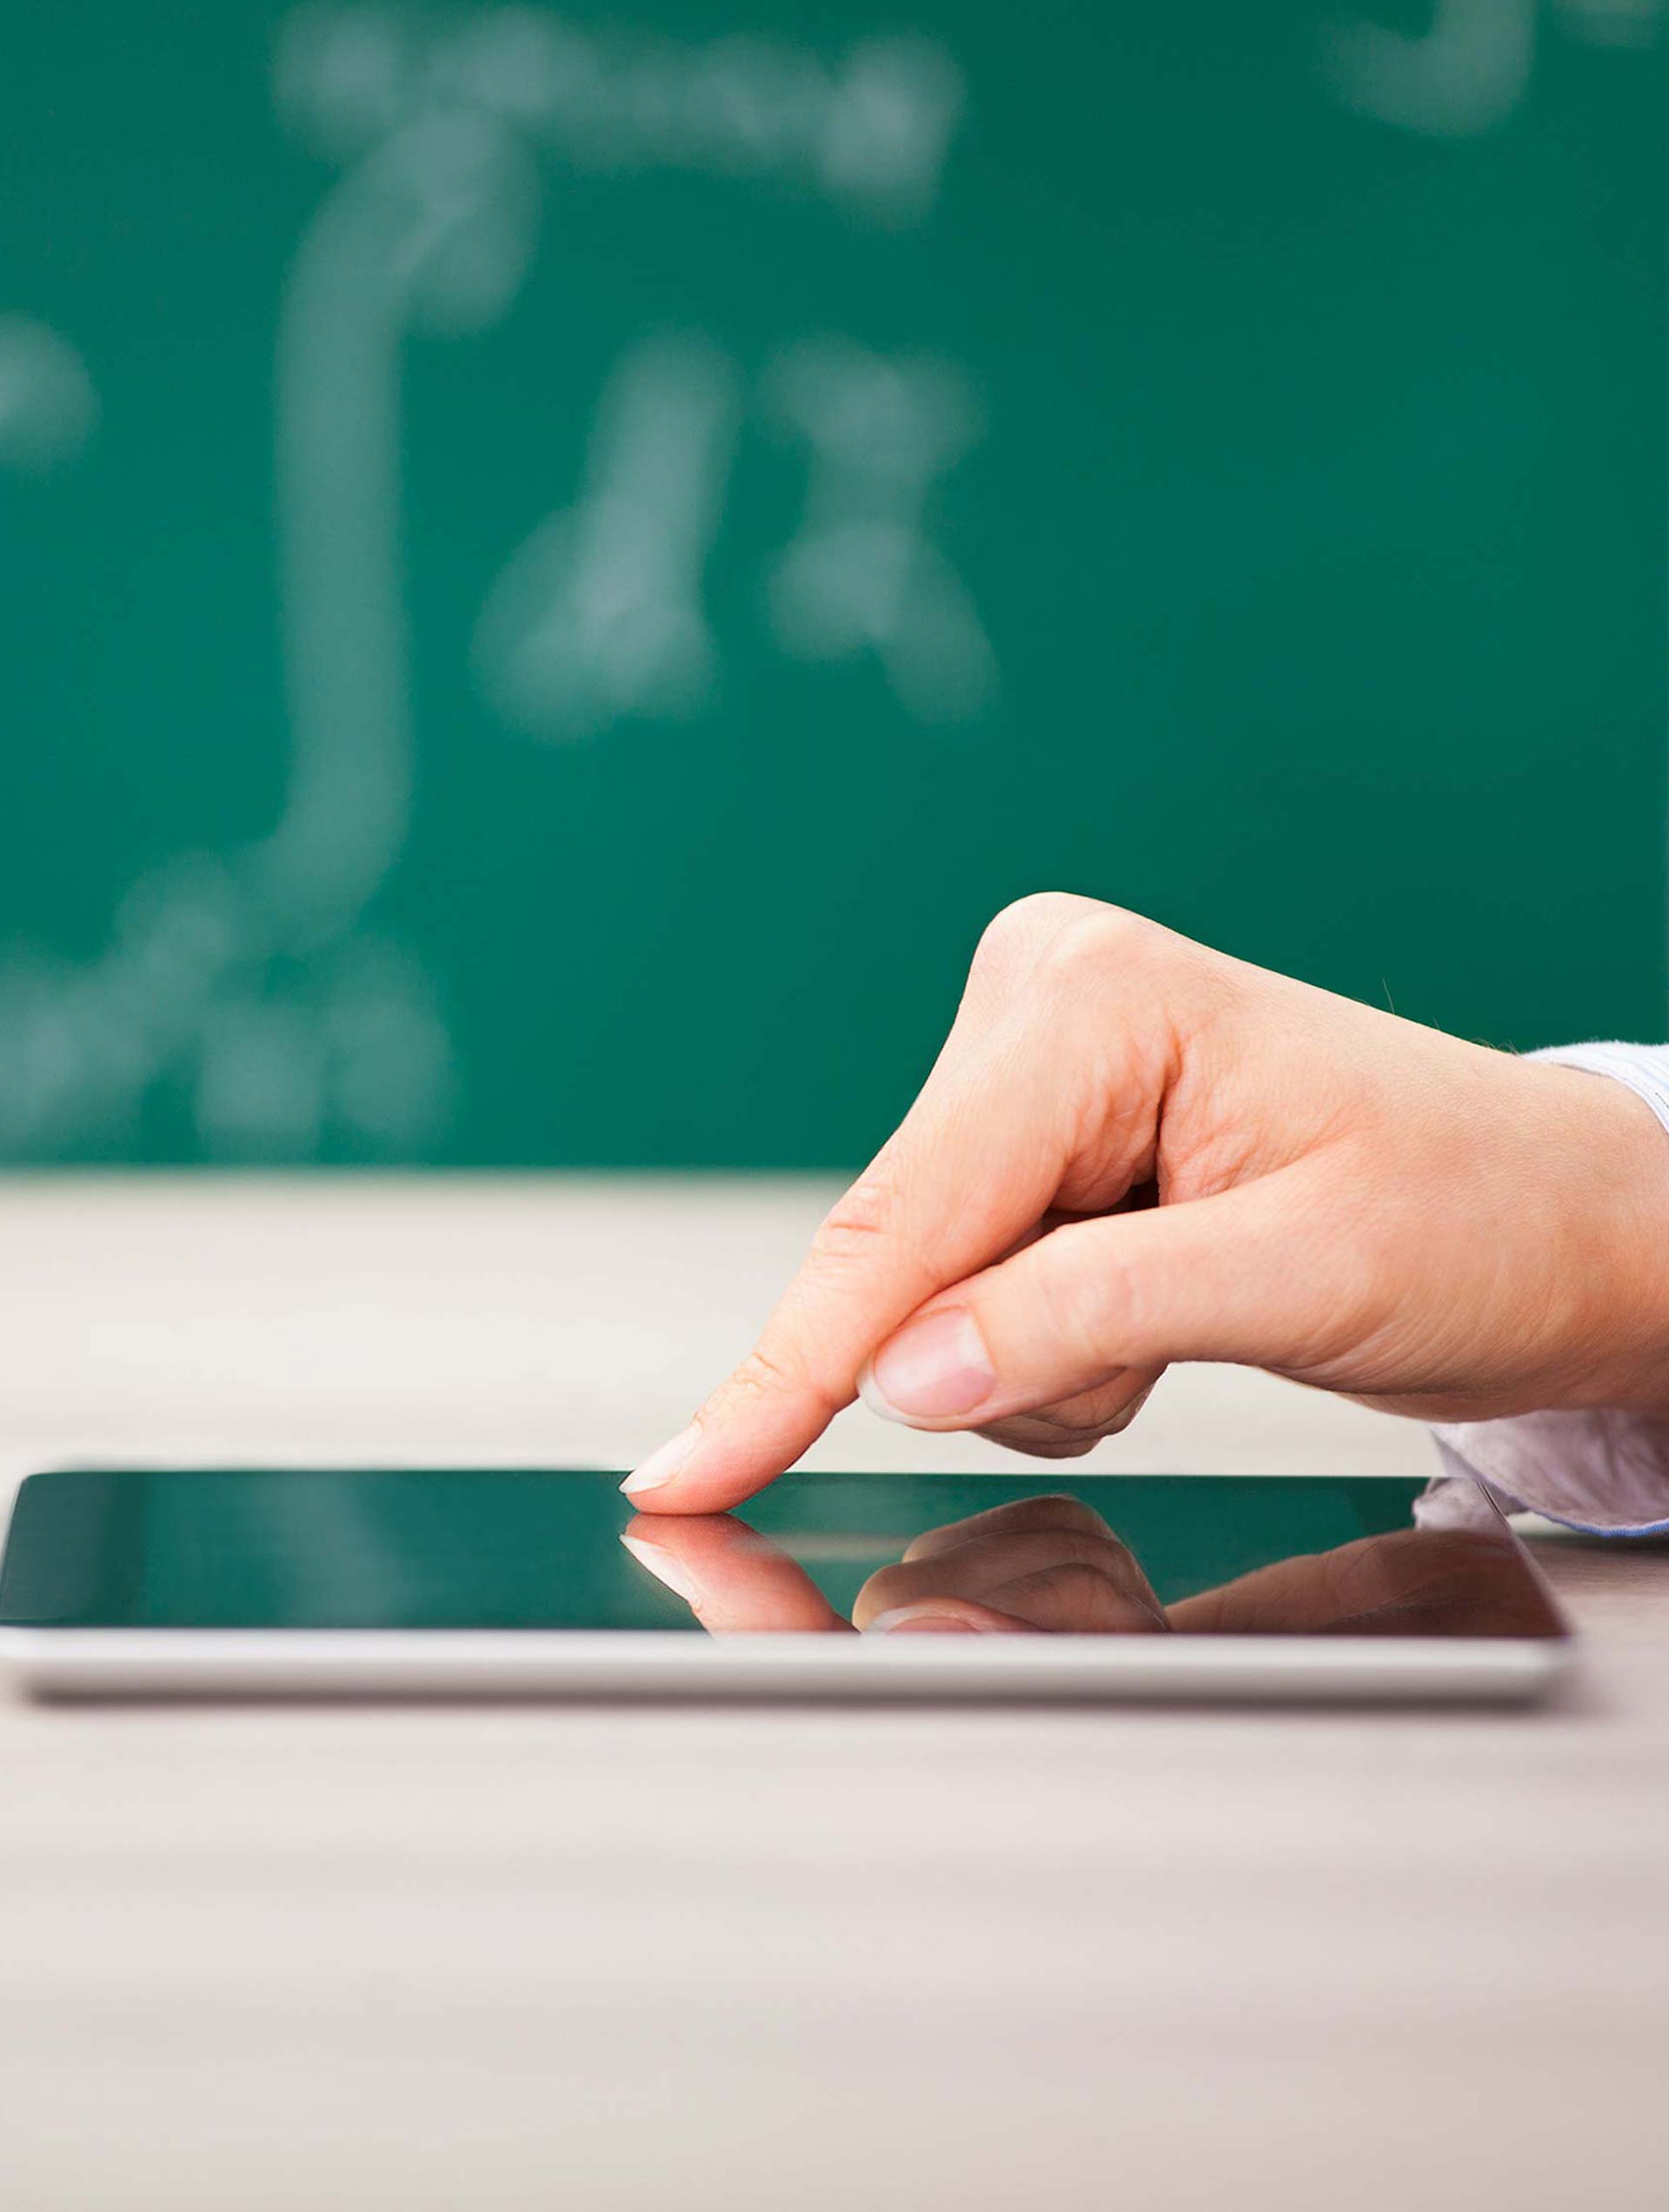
<point x="1241" y="1277"/>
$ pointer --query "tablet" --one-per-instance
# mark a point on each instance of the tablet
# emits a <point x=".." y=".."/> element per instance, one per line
<point x="526" y="1583"/>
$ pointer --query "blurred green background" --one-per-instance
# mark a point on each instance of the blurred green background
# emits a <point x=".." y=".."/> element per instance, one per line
<point x="560" y="567"/>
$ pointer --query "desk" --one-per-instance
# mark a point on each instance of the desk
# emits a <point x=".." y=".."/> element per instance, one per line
<point x="600" y="1958"/>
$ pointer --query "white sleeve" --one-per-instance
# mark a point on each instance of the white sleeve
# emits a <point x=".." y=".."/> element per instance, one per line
<point x="1604" y="1471"/>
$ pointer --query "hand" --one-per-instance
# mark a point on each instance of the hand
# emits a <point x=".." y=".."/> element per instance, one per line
<point x="1133" y="1150"/>
<point x="1036" y="1565"/>
<point x="1053" y="1567"/>
<point x="1411" y="1582"/>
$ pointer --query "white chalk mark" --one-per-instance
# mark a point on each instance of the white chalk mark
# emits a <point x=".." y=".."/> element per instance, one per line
<point x="1615" y="23"/>
<point x="434" y="226"/>
<point x="47" y="407"/>
<point x="871" y="128"/>
<point x="248" y="979"/>
<point x="1467" y="74"/>
<point x="891" y="119"/>
<point x="598" y="616"/>
<point x="346" y="78"/>
<point x="356" y="1045"/>
<point x="861" y="574"/>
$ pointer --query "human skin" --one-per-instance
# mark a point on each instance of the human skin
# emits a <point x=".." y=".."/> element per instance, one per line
<point x="1053" y="1566"/>
<point x="1035" y="1565"/>
<point x="1133" y="1150"/>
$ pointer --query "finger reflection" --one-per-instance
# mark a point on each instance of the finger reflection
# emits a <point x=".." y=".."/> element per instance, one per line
<point x="1049" y="1564"/>
<point x="732" y="1579"/>
<point x="1413" y="1582"/>
<point x="1053" y="1565"/>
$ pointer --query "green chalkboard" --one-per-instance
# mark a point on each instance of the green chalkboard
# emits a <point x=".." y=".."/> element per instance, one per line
<point x="558" y="565"/>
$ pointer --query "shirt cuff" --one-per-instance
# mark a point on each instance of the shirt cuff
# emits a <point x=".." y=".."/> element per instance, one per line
<point x="1607" y="1470"/>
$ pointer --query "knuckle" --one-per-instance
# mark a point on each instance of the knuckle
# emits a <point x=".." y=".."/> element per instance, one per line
<point x="1066" y="1511"/>
<point x="1102" y="942"/>
<point x="1030" y="1438"/>
<point x="862" y="1216"/>
<point x="1116" y="1423"/>
<point x="1088" y="1596"/>
<point x="1081" y="1578"/>
<point x="763" y="1378"/>
<point x="1099" y="1553"/>
<point x="1060" y="1444"/>
<point x="887" y="1587"/>
<point x="1020" y="932"/>
<point x="1107" y="1410"/>
<point x="1035" y="1439"/>
<point x="1040" y="1438"/>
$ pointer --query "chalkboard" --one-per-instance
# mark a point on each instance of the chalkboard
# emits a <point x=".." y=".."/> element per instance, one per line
<point x="559" y="565"/>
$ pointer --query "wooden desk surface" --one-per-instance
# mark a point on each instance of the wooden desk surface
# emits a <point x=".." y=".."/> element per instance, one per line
<point x="600" y="1959"/>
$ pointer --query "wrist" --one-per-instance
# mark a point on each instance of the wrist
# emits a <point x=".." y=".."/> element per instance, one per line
<point x="1625" y="1153"/>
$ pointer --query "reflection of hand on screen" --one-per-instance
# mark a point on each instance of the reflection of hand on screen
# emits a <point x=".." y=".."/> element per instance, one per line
<point x="1412" y="1581"/>
<point x="1037" y="1566"/>
<point x="731" y="1577"/>
<point x="1048" y="1564"/>
<point x="1053" y="1567"/>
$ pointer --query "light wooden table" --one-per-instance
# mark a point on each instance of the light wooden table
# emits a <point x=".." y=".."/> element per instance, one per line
<point x="599" y="1958"/>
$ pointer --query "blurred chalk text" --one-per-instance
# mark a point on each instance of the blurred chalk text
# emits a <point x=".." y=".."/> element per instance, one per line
<point x="257" y="980"/>
<point x="1472" y="68"/>
<point x="259" y="985"/>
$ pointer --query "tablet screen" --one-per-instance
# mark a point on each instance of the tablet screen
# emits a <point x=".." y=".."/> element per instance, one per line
<point x="561" y="1549"/>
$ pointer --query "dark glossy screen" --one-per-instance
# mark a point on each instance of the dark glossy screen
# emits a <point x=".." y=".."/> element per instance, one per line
<point x="560" y="1548"/>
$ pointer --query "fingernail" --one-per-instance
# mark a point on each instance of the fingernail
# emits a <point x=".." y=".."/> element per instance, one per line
<point x="661" y="1466"/>
<point x="931" y="1370"/>
<point x="922" y="1620"/>
<point x="663" y="1567"/>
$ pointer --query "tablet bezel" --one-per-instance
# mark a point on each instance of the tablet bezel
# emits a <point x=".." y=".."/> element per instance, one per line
<point x="74" y="1664"/>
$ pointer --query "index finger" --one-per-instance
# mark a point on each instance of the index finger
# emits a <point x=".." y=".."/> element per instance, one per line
<point x="974" y="1166"/>
<point x="1064" y="1039"/>
<point x="731" y="1577"/>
